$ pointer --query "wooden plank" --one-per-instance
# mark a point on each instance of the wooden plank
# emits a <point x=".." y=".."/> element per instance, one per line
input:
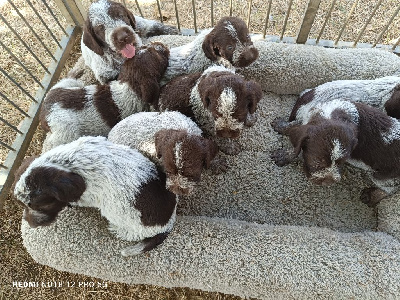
<point x="308" y="21"/>
<point x="73" y="11"/>
<point x="28" y="125"/>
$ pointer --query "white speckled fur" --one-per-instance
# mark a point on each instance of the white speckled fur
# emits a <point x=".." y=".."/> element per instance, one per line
<point x="226" y="107"/>
<point x="68" y="125"/>
<point x="138" y="130"/>
<point x="372" y="92"/>
<point x="114" y="175"/>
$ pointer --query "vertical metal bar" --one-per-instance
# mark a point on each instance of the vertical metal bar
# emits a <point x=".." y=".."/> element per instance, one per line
<point x="54" y="17"/>
<point x="286" y="19"/>
<point x="44" y="23"/>
<point x="386" y="26"/>
<point x="11" y="126"/>
<point x="230" y="8"/>
<point x="32" y="30"/>
<point x="308" y="21"/>
<point x="20" y="63"/>
<point x="366" y="23"/>
<point x="328" y="16"/>
<point x="396" y="44"/>
<point x="267" y="18"/>
<point x="13" y="104"/>
<point x="212" y="13"/>
<point x="26" y="46"/>
<point x="3" y="166"/>
<point x="71" y="13"/>
<point x="194" y="16"/>
<point x="346" y="22"/>
<point x="17" y="84"/>
<point x="177" y="15"/>
<point x="159" y="11"/>
<point x="248" y="14"/>
<point x="138" y="7"/>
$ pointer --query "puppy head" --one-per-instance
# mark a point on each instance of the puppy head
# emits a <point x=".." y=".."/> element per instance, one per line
<point x="183" y="157"/>
<point x="326" y="146"/>
<point x="110" y="25"/>
<point x="231" y="100"/>
<point x="45" y="190"/>
<point x="230" y="40"/>
<point x="145" y="70"/>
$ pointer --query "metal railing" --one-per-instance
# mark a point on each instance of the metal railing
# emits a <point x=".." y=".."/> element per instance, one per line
<point x="60" y="20"/>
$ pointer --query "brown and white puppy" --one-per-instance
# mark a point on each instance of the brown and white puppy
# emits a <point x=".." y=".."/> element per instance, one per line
<point x="173" y="142"/>
<point x="111" y="35"/>
<point x="333" y="132"/>
<point x="228" y="44"/>
<point x="92" y="172"/>
<point x="71" y="110"/>
<point x="221" y="102"/>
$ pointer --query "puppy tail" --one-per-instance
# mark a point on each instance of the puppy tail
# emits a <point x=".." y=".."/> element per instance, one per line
<point x="145" y="245"/>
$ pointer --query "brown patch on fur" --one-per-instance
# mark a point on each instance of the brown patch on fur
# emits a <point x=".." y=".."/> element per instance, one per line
<point x="155" y="202"/>
<point x="154" y="241"/>
<point x="119" y="12"/>
<point x="220" y="44"/>
<point x="51" y="190"/>
<point x="94" y="38"/>
<point x="105" y="106"/>
<point x="144" y="71"/>
<point x="383" y="158"/>
<point x="175" y="94"/>
<point x="248" y="93"/>
<point x="392" y="106"/>
<point x="197" y="152"/>
<point x="74" y="99"/>
<point x="302" y="100"/>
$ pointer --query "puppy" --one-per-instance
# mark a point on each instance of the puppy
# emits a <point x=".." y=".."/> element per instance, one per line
<point x="71" y="110"/>
<point x="228" y="43"/>
<point x="383" y="93"/>
<point x="172" y="141"/>
<point x="93" y="172"/>
<point x="336" y="131"/>
<point x="111" y="35"/>
<point x="221" y="102"/>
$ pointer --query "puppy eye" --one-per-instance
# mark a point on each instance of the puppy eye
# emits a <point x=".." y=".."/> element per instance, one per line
<point x="208" y="101"/>
<point x="230" y="47"/>
<point x="249" y="106"/>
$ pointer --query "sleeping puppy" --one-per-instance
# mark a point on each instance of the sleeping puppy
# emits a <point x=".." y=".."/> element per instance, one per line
<point x="336" y="131"/>
<point x="71" y="110"/>
<point x="228" y="44"/>
<point x="221" y="102"/>
<point x="93" y="172"/>
<point x="111" y="35"/>
<point x="383" y="93"/>
<point x="172" y="141"/>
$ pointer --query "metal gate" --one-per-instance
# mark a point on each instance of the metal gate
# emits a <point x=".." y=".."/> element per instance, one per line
<point x="36" y="38"/>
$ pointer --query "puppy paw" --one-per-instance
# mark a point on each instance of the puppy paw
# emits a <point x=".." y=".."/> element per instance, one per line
<point x="230" y="147"/>
<point x="372" y="196"/>
<point x="280" y="125"/>
<point x="282" y="157"/>
<point x="219" y="166"/>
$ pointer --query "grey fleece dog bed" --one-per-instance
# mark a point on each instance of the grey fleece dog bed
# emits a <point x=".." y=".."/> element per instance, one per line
<point x="256" y="231"/>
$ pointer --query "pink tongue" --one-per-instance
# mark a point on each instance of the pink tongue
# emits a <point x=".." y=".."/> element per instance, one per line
<point x="128" y="51"/>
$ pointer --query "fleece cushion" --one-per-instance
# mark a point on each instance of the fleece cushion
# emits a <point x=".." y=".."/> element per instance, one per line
<point x="291" y="68"/>
<point x="257" y="230"/>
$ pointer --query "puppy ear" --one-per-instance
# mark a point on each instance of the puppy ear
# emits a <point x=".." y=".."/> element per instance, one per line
<point x="22" y="168"/>
<point x="90" y="40"/>
<point x="131" y="17"/>
<point x="67" y="186"/>
<point x="208" y="47"/>
<point x="254" y="93"/>
<point x="160" y="138"/>
<point x="150" y="92"/>
<point x="298" y="136"/>
<point x="211" y="150"/>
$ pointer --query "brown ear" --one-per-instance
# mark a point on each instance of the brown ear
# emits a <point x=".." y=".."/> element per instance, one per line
<point x="208" y="47"/>
<point x="131" y="17"/>
<point x="66" y="186"/>
<point x="150" y="92"/>
<point x="254" y="93"/>
<point x="160" y="138"/>
<point x="298" y="136"/>
<point x="210" y="151"/>
<point x="90" y="40"/>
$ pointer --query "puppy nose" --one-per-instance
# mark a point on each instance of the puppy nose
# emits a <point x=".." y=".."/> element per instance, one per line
<point x="122" y="36"/>
<point x="226" y="133"/>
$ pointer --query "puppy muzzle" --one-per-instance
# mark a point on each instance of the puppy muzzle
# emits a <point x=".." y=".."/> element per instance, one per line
<point x="180" y="185"/>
